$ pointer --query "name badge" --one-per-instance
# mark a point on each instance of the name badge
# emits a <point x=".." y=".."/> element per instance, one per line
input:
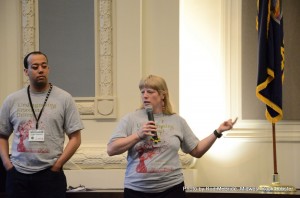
<point x="36" y="135"/>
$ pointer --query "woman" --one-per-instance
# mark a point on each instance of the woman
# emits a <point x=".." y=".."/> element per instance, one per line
<point x="153" y="168"/>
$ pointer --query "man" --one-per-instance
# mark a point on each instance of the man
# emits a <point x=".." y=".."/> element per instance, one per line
<point x="39" y="116"/>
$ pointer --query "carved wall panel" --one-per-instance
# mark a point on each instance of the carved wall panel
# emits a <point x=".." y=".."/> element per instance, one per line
<point x="94" y="157"/>
<point x="103" y="105"/>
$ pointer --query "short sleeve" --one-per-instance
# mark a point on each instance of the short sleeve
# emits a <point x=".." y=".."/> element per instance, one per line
<point x="123" y="129"/>
<point x="6" y="127"/>
<point x="189" y="141"/>
<point x="72" y="117"/>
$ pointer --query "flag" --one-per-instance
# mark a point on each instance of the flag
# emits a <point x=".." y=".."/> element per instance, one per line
<point x="269" y="24"/>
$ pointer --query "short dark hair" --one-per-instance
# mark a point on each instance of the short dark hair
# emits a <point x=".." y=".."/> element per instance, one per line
<point x="34" y="52"/>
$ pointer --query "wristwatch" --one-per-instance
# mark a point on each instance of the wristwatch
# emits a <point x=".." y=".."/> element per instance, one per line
<point x="218" y="135"/>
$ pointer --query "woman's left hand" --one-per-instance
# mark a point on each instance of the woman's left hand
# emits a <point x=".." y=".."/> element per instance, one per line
<point x="227" y="125"/>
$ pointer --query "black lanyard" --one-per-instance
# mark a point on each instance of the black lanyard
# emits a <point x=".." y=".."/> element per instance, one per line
<point x="30" y="102"/>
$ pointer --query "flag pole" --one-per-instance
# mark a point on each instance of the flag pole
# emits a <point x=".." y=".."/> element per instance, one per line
<point x="276" y="186"/>
<point x="275" y="174"/>
<point x="274" y="149"/>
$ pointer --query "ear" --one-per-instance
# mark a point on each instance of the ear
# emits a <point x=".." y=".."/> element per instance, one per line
<point x="26" y="71"/>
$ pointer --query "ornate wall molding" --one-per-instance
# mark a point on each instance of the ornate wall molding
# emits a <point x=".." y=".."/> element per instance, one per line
<point x="103" y="105"/>
<point x="261" y="131"/>
<point x="95" y="157"/>
<point x="105" y="43"/>
<point x="28" y="30"/>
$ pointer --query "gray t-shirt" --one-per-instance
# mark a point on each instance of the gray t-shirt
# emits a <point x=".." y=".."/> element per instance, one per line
<point x="155" y="167"/>
<point x="59" y="117"/>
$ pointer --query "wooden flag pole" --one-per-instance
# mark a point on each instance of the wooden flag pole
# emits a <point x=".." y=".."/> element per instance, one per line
<point x="274" y="149"/>
<point x="276" y="186"/>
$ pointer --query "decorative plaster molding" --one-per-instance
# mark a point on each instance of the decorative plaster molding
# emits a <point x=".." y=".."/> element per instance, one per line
<point x="28" y="30"/>
<point x="105" y="52"/>
<point x="103" y="105"/>
<point x="97" y="107"/>
<point x="95" y="157"/>
<point x="261" y="131"/>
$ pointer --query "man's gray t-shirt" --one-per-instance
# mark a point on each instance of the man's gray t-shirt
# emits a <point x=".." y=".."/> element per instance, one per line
<point x="59" y="117"/>
<point x="155" y="167"/>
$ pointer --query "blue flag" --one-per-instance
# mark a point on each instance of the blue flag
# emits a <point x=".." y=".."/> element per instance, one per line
<point x="269" y="24"/>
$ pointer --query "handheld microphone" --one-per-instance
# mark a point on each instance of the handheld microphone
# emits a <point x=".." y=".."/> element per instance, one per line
<point x="149" y="111"/>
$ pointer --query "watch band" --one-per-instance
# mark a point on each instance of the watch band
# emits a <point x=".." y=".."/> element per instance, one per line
<point x="218" y="135"/>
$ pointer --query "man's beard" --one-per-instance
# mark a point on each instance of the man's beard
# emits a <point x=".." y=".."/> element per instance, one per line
<point x="40" y="84"/>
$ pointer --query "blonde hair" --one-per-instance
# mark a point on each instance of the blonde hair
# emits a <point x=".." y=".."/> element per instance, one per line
<point x="159" y="84"/>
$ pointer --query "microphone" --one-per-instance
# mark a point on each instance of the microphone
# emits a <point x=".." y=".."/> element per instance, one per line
<point x="149" y="111"/>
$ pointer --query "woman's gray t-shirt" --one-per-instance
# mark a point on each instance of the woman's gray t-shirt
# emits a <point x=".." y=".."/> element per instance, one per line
<point x="155" y="167"/>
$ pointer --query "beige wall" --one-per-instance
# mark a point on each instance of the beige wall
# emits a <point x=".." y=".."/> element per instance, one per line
<point x="10" y="42"/>
<point x="146" y="40"/>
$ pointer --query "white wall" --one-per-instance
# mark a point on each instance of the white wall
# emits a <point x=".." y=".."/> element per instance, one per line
<point x="160" y="41"/>
<point x="10" y="65"/>
<point x="202" y="94"/>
